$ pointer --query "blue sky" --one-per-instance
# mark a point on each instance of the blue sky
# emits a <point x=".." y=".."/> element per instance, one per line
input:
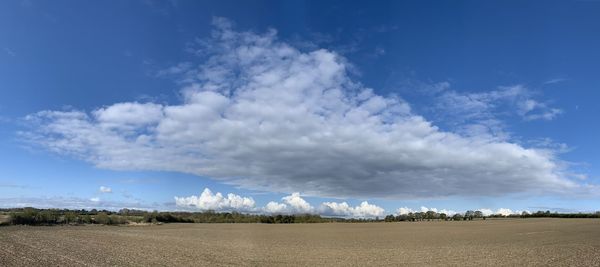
<point x="458" y="105"/>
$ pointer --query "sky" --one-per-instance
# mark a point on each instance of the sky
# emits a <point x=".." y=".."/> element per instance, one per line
<point x="338" y="108"/>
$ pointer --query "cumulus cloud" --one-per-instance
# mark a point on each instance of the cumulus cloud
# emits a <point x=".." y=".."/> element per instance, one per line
<point x="343" y="209"/>
<point x="95" y="199"/>
<point x="486" y="212"/>
<point x="504" y="211"/>
<point x="501" y="211"/>
<point x="404" y="211"/>
<point x="128" y="116"/>
<point x="297" y="203"/>
<point x="291" y="204"/>
<point x="210" y="201"/>
<point x="105" y="189"/>
<point x="425" y="209"/>
<point x="276" y="208"/>
<point x="260" y="114"/>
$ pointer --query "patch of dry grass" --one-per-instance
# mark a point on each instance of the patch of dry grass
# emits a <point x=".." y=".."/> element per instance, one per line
<point x="4" y="219"/>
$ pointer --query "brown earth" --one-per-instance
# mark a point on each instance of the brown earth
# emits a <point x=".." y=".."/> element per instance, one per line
<point x="555" y="242"/>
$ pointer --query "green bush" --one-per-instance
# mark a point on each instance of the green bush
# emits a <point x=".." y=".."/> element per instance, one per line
<point x="102" y="218"/>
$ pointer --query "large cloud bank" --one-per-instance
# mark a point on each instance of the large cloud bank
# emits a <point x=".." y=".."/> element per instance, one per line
<point x="261" y="114"/>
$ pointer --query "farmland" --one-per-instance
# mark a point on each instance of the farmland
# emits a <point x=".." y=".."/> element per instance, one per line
<point x="490" y="242"/>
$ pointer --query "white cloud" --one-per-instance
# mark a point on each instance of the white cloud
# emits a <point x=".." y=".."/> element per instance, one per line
<point x="178" y="69"/>
<point x="132" y="116"/>
<point x="554" y="81"/>
<point x="548" y="114"/>
<point x="292" y="204"/>
<point x="504" y="211"/>
<point x="260" y="114"/>
<point x="297" y="203"/>
<point x="105" y="189"/>
<point x="486" y="212"/>
<point x="448" y="212"/>
<point x="209" y="201"/>
<point x="404" y="211"/>
<point x="479" y="107"/>
<point x="364" y="210"/>
<point x="529" y="212"/>
<point x="425" y="209"/>
<point x="276" y="208"/>
<point x="95" y="199"/>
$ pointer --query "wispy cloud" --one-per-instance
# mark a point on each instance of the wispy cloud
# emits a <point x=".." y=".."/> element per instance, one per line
<point x="139" y="181"/>
<point x="505" y="100"/>
<point x="12" y="185"/>
<point x="4" y="119"/>
<point x="10" y="52"/>
<point x="555" y="80"/>
<point x="105" y="189"/>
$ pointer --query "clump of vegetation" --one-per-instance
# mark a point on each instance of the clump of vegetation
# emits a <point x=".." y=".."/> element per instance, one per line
<point x="33" y="216"/>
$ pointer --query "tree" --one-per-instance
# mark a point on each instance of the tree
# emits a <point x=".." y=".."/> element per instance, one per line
<point x="430" y="215"/>
<point x="469" y="215"/>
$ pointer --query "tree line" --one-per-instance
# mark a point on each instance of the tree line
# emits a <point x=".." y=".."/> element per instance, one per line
<point x="473" y="215"/>
<point x="33" y="216"/>
<point x="432" y="215"/>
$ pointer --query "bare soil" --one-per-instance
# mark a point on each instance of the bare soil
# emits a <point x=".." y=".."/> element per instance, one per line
<point x="538" y="242"/>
